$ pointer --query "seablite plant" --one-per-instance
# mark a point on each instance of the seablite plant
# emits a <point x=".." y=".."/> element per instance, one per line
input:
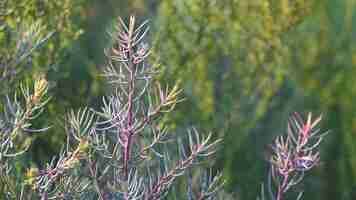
<point x="16" y="128"/>
<point x="293" y="155"/>
<point x="120" y="151"/>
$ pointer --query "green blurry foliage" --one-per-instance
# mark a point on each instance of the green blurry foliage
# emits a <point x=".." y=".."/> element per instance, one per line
<point x="231" y="57"/>
<point x="32" y="21"/>
<point x="57" y="16"/>
<point x="324" y="60"/>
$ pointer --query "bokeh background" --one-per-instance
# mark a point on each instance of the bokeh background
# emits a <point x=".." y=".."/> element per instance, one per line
<point x="245" y="66"/>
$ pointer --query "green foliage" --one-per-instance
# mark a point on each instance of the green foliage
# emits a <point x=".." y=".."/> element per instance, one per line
<point x="232" y="57"/>
<point x="55" y="16"/>
<point x="324" y="60"/>
<point x="37" y="37"/>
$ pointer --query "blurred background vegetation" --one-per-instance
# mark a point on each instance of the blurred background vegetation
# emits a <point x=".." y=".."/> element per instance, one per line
<point x="244" y="66"/>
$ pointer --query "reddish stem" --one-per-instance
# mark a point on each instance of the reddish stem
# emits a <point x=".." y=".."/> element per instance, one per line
<point x="281" y="188"/>
<point x="127" y="135"/>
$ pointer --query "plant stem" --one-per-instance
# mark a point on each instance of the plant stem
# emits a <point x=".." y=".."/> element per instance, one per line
<point x="96" y="184"/>
<point x="128" y="133"/>
<point x="282" y="187"/>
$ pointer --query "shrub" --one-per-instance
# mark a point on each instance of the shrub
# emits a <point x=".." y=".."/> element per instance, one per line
<point x="119" y="151"/>
<point x="125" y="150"/>
<point x="293" y="155"/>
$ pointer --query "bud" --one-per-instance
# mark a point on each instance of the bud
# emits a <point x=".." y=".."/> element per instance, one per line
<point x="83" y="146"/>
<point x="40" y="88"/>
<point x="71" y="163"/>
<point x="30" y="176"/>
